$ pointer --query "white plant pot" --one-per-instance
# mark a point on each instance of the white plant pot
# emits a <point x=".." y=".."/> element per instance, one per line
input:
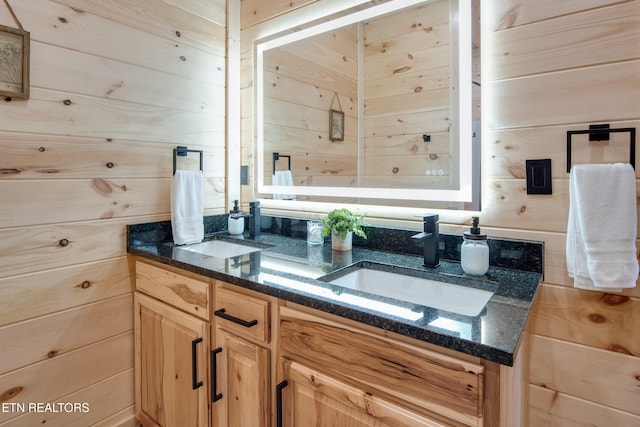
<point x="339" y="244"/>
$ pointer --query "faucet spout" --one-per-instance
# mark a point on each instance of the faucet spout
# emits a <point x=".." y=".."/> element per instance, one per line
<point x="254" y="219"/>
<point x="430" y="239"/>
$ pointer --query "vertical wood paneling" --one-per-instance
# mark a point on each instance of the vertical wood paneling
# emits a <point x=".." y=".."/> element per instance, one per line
<point x="115" y="86"/>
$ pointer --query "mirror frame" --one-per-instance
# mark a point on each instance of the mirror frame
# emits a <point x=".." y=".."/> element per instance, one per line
<point x="468" y="191"/>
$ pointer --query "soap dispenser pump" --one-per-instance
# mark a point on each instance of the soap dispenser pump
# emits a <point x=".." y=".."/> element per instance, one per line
<point x="474" y="253"/>
<point x="236" y="219"/>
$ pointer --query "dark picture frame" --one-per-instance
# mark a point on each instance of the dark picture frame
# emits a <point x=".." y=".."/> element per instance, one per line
<point x="14" y="62"/>
<point x="336" y="125"/>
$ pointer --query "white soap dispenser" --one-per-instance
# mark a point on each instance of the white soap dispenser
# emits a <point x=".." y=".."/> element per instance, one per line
<point x="236" y="219"/>
<point x="474" y="253"/>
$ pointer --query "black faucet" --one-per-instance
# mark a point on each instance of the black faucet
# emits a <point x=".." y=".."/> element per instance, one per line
<point x="254" y="219"/>
<point x="431" y="240"/>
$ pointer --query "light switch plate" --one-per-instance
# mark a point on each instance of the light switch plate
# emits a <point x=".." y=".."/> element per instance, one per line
<point x="539" y="176"/>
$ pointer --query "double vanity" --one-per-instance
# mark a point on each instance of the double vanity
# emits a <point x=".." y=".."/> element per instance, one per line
<point x="239" y="331"/>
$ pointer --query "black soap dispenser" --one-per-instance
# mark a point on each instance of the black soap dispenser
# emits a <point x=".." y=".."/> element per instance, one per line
<point x="236" y="219"/>
<point x="474" y="253"/>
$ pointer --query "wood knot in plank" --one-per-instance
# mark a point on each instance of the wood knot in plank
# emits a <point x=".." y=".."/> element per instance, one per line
<point x="11" y="393"/>
<point x="401" y="70"/>
<point x="84" y="285"/>
<point x="620" y="349"/>
<point x="9" y="171"/>
<point x="188" y="295"/>
<point x="597" y="318"/>
<point x="517" y="170"/>
<point x="612" y="299"/>
<point x="102" y="186"/>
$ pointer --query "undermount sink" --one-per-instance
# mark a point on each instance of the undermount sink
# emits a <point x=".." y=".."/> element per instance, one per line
<point x="459" y="299"/>
<point x="220" y="248"/>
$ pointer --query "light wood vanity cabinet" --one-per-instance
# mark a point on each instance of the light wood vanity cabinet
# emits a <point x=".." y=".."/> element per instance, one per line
<point x="243" y="359"/>
<point x="171" y="348"/>
<point x="341" y="376"/>
<point x="269" y="362"/>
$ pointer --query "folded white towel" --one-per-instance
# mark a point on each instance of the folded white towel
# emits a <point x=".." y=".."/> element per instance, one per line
<point x="187" y="207"/>
<point x="602" y="227"/>
<point x="283" y="178"/>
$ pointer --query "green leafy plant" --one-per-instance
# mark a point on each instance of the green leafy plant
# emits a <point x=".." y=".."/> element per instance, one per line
<point x="341" y="221"/>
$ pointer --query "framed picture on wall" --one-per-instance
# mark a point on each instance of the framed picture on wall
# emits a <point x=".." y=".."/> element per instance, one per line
<point x="14" y="62"/>
<point x="336" y="125"/>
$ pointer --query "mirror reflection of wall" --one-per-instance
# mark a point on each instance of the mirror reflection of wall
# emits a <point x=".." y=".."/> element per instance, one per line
<point x="394" y="78"/>
<point x="402" y="62"/>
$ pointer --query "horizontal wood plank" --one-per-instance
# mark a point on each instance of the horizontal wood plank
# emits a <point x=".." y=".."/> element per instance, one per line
<point x="53" y="335"/>
<point x="36" y="294"/>
<point x="98" y="400"/>
<point x="74" y="29"/>
<point x="554" y="409"/>
<point x="595" y="319"/>
<point x="39" y="248"/>
<point x="38" y="156"/>
<point x="55" y="378"/>
<point x="602" y="376"/>
<point x="61" y="113"/>
<point x="164" y="19"/>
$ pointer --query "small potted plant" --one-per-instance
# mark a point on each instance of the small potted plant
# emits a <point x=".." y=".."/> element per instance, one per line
<point x="342" y="224"/>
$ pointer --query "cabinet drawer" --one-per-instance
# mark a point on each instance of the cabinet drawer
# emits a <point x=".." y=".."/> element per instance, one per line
<point x="441" y="384"/>
<point x="243" y="314"/>
<point x="185" y="293"/>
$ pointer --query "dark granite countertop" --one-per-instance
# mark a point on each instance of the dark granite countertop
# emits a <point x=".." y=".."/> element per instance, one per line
<point x="286" y="267"/>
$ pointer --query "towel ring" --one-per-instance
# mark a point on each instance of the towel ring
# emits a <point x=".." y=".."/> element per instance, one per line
<point x="276" y="156"/>
<point x="182" y="150"/>
<point x="601" y="133"/>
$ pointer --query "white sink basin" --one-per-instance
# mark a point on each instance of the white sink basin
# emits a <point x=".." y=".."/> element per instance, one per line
<point x="453" y="298"/>
<point x="219" y="248"/>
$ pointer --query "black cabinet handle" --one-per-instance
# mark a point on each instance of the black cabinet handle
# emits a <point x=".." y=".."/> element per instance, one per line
<point x="215" y="396"/>
<point x="194" y="364"/>
<point x="222" y="313"/>
<point x="279" y="388"/>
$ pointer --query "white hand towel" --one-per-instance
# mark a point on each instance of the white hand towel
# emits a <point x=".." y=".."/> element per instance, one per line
<point x="187" y="207"/>
<point x="602" y="227"/>
<point x="286" y="179"/>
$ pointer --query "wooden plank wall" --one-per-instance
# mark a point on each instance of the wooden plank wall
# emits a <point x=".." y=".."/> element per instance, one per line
<point x="558" y="66"/>
<point x="549" y="67"/>
<point x="115" y="86"/>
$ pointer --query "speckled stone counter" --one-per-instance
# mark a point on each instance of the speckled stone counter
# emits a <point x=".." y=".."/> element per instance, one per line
<point x="286" y="267"/>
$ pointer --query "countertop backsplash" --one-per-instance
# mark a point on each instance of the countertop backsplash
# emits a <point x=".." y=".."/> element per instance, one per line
<point x="506" y="253"/>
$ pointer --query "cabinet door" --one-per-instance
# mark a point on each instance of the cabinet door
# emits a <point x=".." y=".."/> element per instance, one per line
<point x="243" y="374"/>
<point x="311" y="398"/>
<point x="171" y="365"/>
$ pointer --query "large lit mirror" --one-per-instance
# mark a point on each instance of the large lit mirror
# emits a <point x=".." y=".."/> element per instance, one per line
<point x="379" y="106"/>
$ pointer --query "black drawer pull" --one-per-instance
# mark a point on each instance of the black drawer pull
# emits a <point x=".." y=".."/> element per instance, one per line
<point x="222" y="313"/>
<point x="215" y="396"/>
<point x="194" y="364"/>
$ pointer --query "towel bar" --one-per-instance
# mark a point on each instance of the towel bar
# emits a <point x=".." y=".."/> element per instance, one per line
<point x="182" y="150"/>
<point x="276" y="156"/>
<point x="600" y="133"/>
